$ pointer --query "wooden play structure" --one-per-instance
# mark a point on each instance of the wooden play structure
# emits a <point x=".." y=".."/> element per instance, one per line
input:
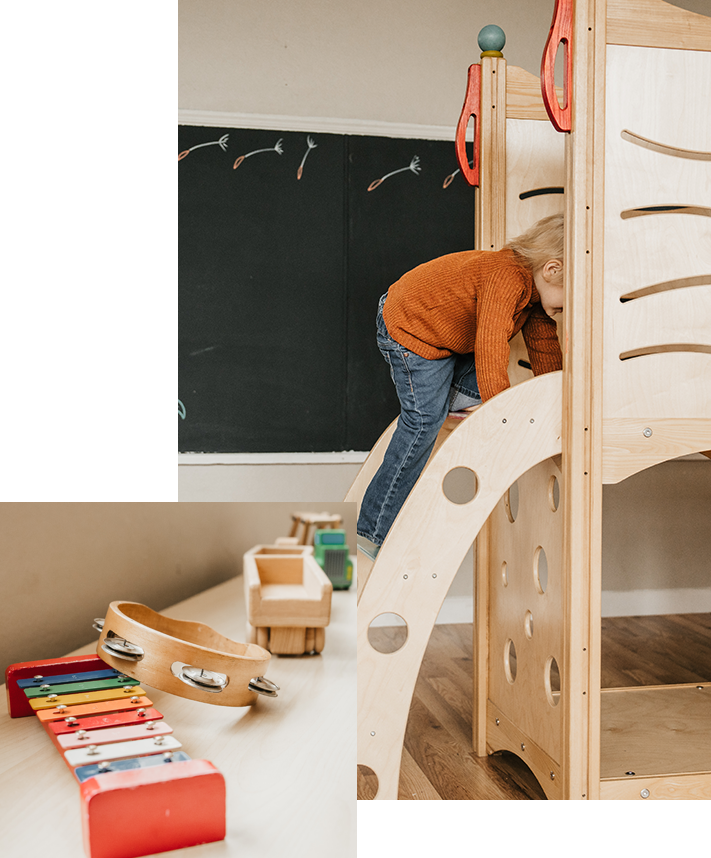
<point x="629" y="143"/>
<point x="288" y="598"/>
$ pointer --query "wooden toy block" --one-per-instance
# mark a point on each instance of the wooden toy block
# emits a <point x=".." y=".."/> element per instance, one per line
<point x="288" y="599"/>
<point x="146" y="811"/>
<point x="305" y="523"/>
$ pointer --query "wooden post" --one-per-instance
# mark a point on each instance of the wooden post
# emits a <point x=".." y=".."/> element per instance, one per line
<point x="582" y="371"/>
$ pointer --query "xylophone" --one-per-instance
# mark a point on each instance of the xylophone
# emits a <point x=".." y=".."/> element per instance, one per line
<point x="140" y="792"/>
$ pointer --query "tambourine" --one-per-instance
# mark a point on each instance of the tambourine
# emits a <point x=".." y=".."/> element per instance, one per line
<point x="183" y="658"/>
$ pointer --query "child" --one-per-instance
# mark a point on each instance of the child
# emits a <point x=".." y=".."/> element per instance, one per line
<point x="444" y="330"/>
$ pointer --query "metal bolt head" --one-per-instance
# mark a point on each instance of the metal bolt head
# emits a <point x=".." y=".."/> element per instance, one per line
<point x="168" y="757"/>
<point x="52" y="696"/>
<point x="61" y="707"/>
<point x="81" y="734"/>
<point x="70" y="719"/>
<point x="150" y="725"/>
<point x="45" y="687"/>
<point x="647" y="432"/>
<point x="92" y="749"/>
<point x="552" y="776"/>
<point x="140" y="712"/>
<point x="104" y="765"/>
<point x="159" y="740"/>
<point x="372" y="732"/>
<point x="497" y="722"/>
<point x="644" y="793"/>
<point x="39" y="676"/>
<point x="523" y="747"/>
<point x="133" y="699"/>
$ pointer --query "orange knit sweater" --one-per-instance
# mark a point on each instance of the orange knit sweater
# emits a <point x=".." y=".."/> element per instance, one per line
<point x="473" y="301"/>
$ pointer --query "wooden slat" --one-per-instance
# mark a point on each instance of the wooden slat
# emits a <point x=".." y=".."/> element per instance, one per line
<point x="656" y="24"/>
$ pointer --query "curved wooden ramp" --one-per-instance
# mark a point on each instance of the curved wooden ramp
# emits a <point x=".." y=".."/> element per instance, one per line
<point x="416" y="565"/>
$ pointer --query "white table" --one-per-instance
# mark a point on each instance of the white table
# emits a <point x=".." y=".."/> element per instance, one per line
<point x="289" y="762"/>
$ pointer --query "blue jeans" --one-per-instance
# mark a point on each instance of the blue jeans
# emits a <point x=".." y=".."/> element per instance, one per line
<point x="427" y="390"/>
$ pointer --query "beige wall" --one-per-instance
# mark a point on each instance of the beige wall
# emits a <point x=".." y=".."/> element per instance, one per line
<point x="61" y="564"/>
<point x="380" y="60"/>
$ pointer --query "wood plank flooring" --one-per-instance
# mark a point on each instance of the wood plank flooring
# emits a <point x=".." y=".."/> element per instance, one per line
<point x="438" y="761"/>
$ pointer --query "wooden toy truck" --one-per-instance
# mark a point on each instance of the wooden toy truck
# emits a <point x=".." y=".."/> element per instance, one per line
<point x="288" y="598"/>
<point x="635" y="390"/>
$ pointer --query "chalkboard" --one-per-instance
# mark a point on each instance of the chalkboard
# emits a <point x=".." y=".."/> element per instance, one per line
<point x="286" y="242"/>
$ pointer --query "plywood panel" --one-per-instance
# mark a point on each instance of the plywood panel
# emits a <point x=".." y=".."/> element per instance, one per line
<point x="660" y="730"/>
<point x="659" y="96"/>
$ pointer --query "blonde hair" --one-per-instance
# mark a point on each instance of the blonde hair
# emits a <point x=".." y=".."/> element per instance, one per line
<point x="541" y="242"/>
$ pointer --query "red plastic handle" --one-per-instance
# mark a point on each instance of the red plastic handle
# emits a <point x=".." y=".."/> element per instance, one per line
<point x="561" y="32"/>
<point x="471" y="108"/>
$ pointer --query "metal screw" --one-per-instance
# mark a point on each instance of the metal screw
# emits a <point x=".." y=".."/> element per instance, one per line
<point x="39" y="676"/>
<point x="159" y="740"/>
<point x="629" y="773"/>
<point x="150" y="725"/>
<point x="52" y="696"/>
<point x="70" y="719"/>
<point x="372" y="732"/>
<point x="497" y="722"/>
<point x="645" y="793"/>
<point x="45" y="687"/>
<point x="168" y="757"/>
<point x="552" y="776"/>
<point x="104" y="765"/>
<point x="504" y="420"/>
<point x="92" y="749"/>
<point x="61" y="707"/>
<point x="647" y="432"/>
<point x="699" y="687"/>
<point x="140" y="712"/>
<point x="133" y="699"/>
<point x="129" y="688"/>
<point x="405" y="577"/>
<point x="532" y="420"/>
<point x="434" y="575"/>
<point x="81" y="734"/>
<point x="523" y="747"/>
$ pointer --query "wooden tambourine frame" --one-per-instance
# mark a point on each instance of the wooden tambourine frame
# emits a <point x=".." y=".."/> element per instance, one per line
<point x="182" y="657"/>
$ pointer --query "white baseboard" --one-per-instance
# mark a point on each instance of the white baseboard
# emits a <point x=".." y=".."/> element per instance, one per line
<point x="642" y="603"/>
<point x="629" y="603"/>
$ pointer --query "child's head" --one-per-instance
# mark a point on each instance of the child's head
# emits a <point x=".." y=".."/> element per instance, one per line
<point x="540" y="249"/>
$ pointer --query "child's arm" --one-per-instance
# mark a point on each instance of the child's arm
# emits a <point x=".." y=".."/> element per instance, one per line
<point x="497" y="303"/>
<point x="541" y="337"/>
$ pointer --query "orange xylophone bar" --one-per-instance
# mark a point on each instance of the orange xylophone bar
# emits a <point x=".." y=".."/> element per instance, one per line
<point x="170" y="805"/>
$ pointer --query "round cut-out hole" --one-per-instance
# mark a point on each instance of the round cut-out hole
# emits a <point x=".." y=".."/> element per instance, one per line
<point x="505" y="574"/>
<point x="528" y="625"/>
<point x="460" y="485"/>
<point x="510" y="661"/>
<point x="540" y="570"/>
<point x="552" y="681"/>
<point x="554" y="493"/>
<point x="387" y="633"/>
<point x="511" y="502"/>
<point x="367" y="783"/>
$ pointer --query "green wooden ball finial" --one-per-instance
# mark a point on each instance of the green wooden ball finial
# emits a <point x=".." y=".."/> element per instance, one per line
<point x="491" y="40"/>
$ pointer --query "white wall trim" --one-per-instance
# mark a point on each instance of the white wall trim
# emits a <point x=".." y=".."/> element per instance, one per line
<point x="348" y="457"/>
<point x="316" y="124"/>
<point x="643" y="603"/>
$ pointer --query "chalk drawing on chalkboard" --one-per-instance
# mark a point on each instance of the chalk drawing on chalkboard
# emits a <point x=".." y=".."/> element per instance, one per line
<point x="310" y="145"/>
<point x="181" y="410"/>
<point x="413" y="166"/>
<point x="450" y="178"/>
<point x="222" y="143"/>
<point x="277" y="147"/>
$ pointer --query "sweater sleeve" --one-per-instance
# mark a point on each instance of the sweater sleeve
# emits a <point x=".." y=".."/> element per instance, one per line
<point x="497" y="300"/>
<point x="541" y="338"/>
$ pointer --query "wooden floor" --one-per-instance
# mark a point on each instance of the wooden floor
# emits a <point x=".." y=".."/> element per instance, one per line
<point x="438" y="761"/>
